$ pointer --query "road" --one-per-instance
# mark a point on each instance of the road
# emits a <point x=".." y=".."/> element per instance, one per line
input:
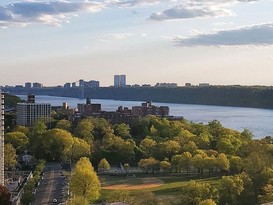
<point x="50" y="186"/>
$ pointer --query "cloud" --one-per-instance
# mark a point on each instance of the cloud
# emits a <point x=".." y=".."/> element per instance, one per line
<point x="51" y="13"/>
<point x="181" y="12"/>
<point x="120" y="36"/>
<point x="133" y="3"/>
<point x="197" y="8"/>
<point x="256" y="35"/>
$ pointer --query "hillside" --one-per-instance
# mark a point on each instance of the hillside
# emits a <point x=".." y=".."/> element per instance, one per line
<point x="239" y="96"/>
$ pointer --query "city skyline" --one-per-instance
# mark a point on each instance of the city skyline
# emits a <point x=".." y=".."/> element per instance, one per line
<point x="54" y="42"/>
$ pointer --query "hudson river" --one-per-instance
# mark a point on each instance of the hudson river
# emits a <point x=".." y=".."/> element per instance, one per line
<point x="258" y="121"/>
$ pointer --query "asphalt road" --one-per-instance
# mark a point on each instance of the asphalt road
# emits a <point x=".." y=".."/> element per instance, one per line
<point x="50" y="186"/>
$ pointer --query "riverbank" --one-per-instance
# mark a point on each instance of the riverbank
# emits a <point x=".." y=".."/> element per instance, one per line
<point x="235" y="96"/>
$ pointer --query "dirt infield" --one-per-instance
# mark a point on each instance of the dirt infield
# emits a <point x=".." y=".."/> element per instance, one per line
<point x="147" y="183"/>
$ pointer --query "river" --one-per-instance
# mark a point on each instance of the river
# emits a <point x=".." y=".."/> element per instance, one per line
<point x="258" y="121"/>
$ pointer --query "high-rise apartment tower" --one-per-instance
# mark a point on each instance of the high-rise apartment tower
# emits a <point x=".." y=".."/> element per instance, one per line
<point x="30" y="112"/>
<point x="119" y="80"/>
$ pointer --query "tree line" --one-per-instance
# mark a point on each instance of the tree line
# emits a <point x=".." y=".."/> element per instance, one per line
<point x="158" y="145"/>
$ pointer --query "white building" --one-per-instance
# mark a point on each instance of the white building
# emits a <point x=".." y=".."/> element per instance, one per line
<point x="30" y="112"/>
<point x="2" y="139"/>
<point x="119" y="80"/>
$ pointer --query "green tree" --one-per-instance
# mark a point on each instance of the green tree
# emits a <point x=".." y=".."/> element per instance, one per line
<point x="207" y="202"/>
<point x="27" y="197"/>
<point x="230" y="189"/>
<point x="267" y="193"/>
<point x="64" y="125"/>
<point x="222" y="162"/>
<point x="84" y="130"/>
<point x="123" y="130"/>
<point x="194" y="193"/>
<point x="123" y="196"/>
<point x="20" y="128"/>
<point x="198" y="161"/>
<point x="57" y="145"/>
<point x="169" y="148"/>
<point x="190" y="147"/>
<point x="10" y="156"/>
<point x="148" y="146"/>
<point x="18" y="140"/>
<point x="165" y="166"/>
<point x="79" y="149"/>
<point x="38" y="129"/>
<point x="185" y="161"/>
<point x="84" y="180"/>
<point x="175" y="162"/>
<point x="118" y="149"/>
<point x="149" y="165"/>
<point x="104" y="165"/>
<point x="236" y="164"/>
<point x="247" y="196"/>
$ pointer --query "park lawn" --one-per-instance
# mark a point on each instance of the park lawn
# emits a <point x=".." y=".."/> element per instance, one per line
<point x="169" y="191"/>
<point x="115" y="180"/>
<point x="175" y="184"/>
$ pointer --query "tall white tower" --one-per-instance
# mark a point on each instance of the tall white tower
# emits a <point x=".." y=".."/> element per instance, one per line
<point x="116" y="80"/>
<point x="122" y="80"/>
<point x="2" y="180"/>
<point x="119" y="80"/>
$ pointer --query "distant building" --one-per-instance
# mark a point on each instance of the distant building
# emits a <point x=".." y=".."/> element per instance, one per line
<point x="19" y="86"/>
<point x="135" y="85"/>
<point x="146" y="85"/>
<point x="121" y="115"/>
<point x="30" y="112"/>
<point x="73" y="85"/>
<point x="166" y="85"/>
<point x="187" y="84"/>
<point x="203" y="84"/>
<point x="37" y="85"/>
<point x="149" y="109"/>
<point x="25" y="158"/>
<point x="81" y="83"/>
<point x="67" y="85"/>
<point x="119" y="80"/>
<point x="88" y="109"/>
<point x="28" y="85"/>
<point x="122" y="80"/>
<point x="89" y="84"/>
<point x="68" y="113"/>
<point x="92" y="84"/>
<point x="2" y="181"/>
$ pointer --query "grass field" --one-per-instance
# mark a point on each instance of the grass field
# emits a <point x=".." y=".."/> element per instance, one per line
<point x="165" y="187"/>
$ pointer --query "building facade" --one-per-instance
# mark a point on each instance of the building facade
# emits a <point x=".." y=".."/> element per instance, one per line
<point x="119" y="80"/>
<point x="149" y="109"/>
<point x="30" y="112"/>
<point x="28" y="85"/>
<point x="2" y="139"/>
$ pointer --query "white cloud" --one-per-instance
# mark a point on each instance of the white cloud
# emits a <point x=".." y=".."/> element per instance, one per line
<point x="133" y="3"/>
<point x="255" y="35"/>
<point x="197" y="8"/>
<point x="181" y="12"/>
<point x="50" y="13"/>
<point x="120" y="36"/>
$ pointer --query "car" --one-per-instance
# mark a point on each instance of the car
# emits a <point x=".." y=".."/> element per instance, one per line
<point x="55" y="201"/>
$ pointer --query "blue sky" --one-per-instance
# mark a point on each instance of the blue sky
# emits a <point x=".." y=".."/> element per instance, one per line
<point x="218" y="42"/>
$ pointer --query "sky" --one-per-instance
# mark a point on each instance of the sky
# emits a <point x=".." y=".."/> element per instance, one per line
<point x="221" y="42"/>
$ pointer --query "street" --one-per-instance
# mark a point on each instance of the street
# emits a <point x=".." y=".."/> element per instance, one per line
<point x="49" y="189"/>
